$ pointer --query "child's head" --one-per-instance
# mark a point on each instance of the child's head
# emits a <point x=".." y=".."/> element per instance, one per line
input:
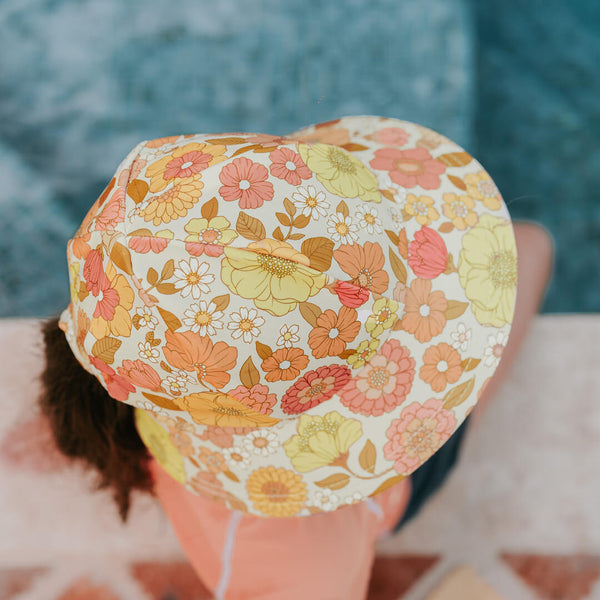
<point x="280" y="310"/>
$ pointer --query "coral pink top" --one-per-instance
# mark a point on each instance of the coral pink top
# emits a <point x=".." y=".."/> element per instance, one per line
<point x="244" y="557"/>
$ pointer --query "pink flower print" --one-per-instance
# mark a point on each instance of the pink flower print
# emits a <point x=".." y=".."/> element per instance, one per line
<point x="257" y="397"/>
<point x="187" y="164"/>
<point x="108" y="300"/>
<point x="113" y="211"/>
<point x="314" y="388"/>
<point x="383" y="383"/>
<point x="427" y="254"/>
<point x="93" y="272"/>
<point x="118" y="387"/>
<point x="409" y="168"/>
<point x="247" y="182"/>
<point x="417" y="434"/>
<point x="288" y="165"/>
<point x="390" y="136"/>
<point x="142" y="244"/>
<point x="140" y="373"/>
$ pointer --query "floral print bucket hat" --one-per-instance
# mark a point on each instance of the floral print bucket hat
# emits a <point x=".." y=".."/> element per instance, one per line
<point x="300" y="321"/>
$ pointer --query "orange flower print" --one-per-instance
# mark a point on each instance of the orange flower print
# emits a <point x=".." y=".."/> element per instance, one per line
<point x="172" y="204"/>
<point x="333" y="332"/>
<point x="80" y="247"/>
<point x="213" y="461"/>
<point x="183" y="164"/>
<point x="257" y="397"/>
<point x="163" y="141"/>
<point x="383" y="383"/>
<point x="221" y="410"/>
<point x="417" y="434"/>
<point x="276" y="492"/>
<point x="192" y="352"/>
<point x="364" y="264"/>
<point x="222" y="436"/>
<point x="441" y="366"/>
<point x="288" y="165"/>
<point x="409" y="168"/>
<point x="83" y="326"/>
<point x="245" y="181"/>
<point x="179" y="430"/>
<point x="314" y="388"/>
<point x="284" y="364"/>
<point x="424" y="310"/>
<point x="328" y="134"/>
<point x="141" y="374"/>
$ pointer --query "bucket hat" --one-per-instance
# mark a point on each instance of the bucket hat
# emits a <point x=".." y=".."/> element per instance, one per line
<point x="301" y="321"/>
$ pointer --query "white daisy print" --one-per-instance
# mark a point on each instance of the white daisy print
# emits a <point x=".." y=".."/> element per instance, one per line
<point x="461" y="338"/>
<point x="356" y="497"/>
<point x="368" y="219"/>
<point x="151" y="408"/>
<point x="147" y="319"/>
<point x="309" y="202"/>
<point x="237" y="457"/>
<point x="193" y="278"/>
<point x="203" y="317"/>
<point x="147" y="352"/>
<point x="493" y="351"/>
<point x="245" y="324"/>
<point x="177" y="384"/>
<point x="262" y="443"/>
<point x="342" y="229"/>
<point x="395" y="215"/>
<point x="326" y="500"/>
<point x="288" y="336"/>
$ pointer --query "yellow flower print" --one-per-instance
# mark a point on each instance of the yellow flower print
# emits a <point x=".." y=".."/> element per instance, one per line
<point x="272" y="273"/>
<point x="481" y="187"/>
<point x="321" y="440"/>
<point x="183" y="164"/>
<point x="158" y="442"/>
<point x="276" y="492"/>
<point x="75" y="280"/>
<point x="364" y="353"/>
<point x="222" y="410"/>
<point x="459" y="209"/>
<point x="340" y="172"/>
<point x="172" y="204"/>
<point x="210" y="234"/>
<point x="487" y="270"/>
<point x="385" y="313"/>
<point x="421" y="208"/>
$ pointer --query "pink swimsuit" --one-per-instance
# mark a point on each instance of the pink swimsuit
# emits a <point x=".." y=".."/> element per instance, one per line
<point x="326" y="556"/>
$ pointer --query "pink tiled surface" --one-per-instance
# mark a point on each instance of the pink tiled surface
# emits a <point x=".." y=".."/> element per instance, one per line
<point x="520" y="508"/>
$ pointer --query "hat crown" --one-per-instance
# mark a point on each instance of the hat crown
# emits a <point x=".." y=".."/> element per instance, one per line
<point x="246" y="258"/>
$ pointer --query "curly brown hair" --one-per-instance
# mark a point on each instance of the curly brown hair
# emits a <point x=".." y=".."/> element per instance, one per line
<point x="89" y="425"/>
